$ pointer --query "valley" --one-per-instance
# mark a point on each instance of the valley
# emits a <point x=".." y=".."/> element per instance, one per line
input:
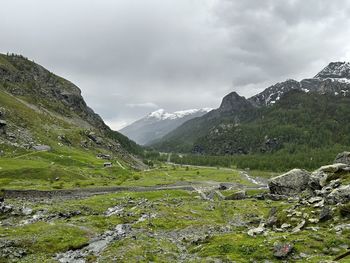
<point x="73" y="190"/>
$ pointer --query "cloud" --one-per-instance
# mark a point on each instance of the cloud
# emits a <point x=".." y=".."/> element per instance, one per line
<point x="176" y="54"/>
<point x="143" y="105"/>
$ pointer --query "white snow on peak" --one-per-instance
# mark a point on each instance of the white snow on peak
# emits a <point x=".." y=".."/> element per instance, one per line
<point x="161" y="114"/>
<point x="335" y="71"/>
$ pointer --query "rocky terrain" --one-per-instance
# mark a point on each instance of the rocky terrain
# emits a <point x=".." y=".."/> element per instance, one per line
<point x="301" y="217"/>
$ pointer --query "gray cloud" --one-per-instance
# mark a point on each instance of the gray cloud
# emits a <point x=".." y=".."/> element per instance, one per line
<point x="131" y="56"/>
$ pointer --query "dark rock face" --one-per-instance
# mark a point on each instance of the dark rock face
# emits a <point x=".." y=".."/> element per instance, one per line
<point x="234" y="103"/>
<point x="343" y="157"/>
<point x="290" y="183"/>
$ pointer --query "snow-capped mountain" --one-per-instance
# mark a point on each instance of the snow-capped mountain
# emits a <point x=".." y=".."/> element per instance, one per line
<point x="333" y="79"/>
<point x="159" y="123"/>
<point x="271" y="119"/>
<point x="161" y="114"/>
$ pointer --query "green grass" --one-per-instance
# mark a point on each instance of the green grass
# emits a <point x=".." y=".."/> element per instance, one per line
<point x="174" y="212"/>
<point x="173" y="174"/>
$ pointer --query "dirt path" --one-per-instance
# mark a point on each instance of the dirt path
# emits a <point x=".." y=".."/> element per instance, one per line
<point x="85" y="192"/>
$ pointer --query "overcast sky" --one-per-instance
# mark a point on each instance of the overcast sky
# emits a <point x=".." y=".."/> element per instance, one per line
<point x="131" y="57"/>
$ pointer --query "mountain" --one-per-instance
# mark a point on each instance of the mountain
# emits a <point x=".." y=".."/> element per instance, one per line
<point x="158" y="123"/>
<point x="39" y="110"/>
<point x="313" y="112"/>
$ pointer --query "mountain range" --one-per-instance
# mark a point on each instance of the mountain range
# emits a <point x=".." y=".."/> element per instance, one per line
<point x="310" y="113"/>
<point x="159" y="123"/>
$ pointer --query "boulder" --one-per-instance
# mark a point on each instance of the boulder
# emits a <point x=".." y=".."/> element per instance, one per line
<point x="282" y="250"/>
<point x="42" y="148"/>
<point x="257" y="231"/>
<point x="343" y="157"/>
<point x="272" y="219"/>
<point x="326" y="214"/>
<point x="290" y="183"/>
<point x="339" y="195"/>
<point x="4" y="209"/>
<point x="299" y="226"/>
<point x="318" y="178"/>
<point x="239" y="195"/>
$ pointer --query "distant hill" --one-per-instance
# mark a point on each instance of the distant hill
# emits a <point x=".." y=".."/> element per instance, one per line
<point x="40" y="110"/>
<point x="159" y="123"/>
<point x="311" y="113"/>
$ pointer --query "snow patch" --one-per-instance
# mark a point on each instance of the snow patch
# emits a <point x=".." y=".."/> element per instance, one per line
<point x="161" y="114"/>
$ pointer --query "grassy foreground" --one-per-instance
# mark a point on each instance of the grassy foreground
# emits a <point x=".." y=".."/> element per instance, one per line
<point x="167" y="226"/>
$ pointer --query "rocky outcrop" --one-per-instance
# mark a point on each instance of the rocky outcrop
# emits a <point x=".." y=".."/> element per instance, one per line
<point x="233" y="103"/>
<point x="339" y="195"/>
<point x="343" y="157"/>
<point x="290" y="183"/>
<point x="324" y="185"/>
<point x="320" y="177"/>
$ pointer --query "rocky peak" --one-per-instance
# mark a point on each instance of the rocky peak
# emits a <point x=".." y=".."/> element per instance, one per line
<point x="335" y="70"/>
<point x="273" y="93"/>
<point x="234" y="103"/>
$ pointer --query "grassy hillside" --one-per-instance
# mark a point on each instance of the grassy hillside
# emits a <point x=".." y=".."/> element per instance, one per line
<point x="39" y="102"/>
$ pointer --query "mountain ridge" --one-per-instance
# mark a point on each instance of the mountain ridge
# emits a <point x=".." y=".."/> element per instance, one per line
<point x="41" y="108"/>
<point x="235" y="110"/>
<point x="158" y="123"/>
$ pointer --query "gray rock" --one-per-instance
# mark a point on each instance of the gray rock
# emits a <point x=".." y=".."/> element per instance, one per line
<point x="333" y="168"/>
<point x="4" y="209"/>
<point x="239" y="195"/>
<point x="343" y="157"/>
<point x="272" y="219"/>
<point x="335" y="183"/>
<point x="326" y="214"/>
<point x="339" y="195"/>
<point x="257" y="231"/>
<point x="276" y="197"/>
<point x="290" y="183"/>
<point x="42" y="148"/>
<point x="107" y="164"/>
<point x="27" y="211"/>
<point x="318" y="178"/>
<point x="315" y="199"/>
<point x="104" y="156"/>
<point x="299" y="226"/>
<point x="282" y="250"/>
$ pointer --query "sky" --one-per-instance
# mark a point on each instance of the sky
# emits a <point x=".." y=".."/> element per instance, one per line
<point x="131" y="57"/>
